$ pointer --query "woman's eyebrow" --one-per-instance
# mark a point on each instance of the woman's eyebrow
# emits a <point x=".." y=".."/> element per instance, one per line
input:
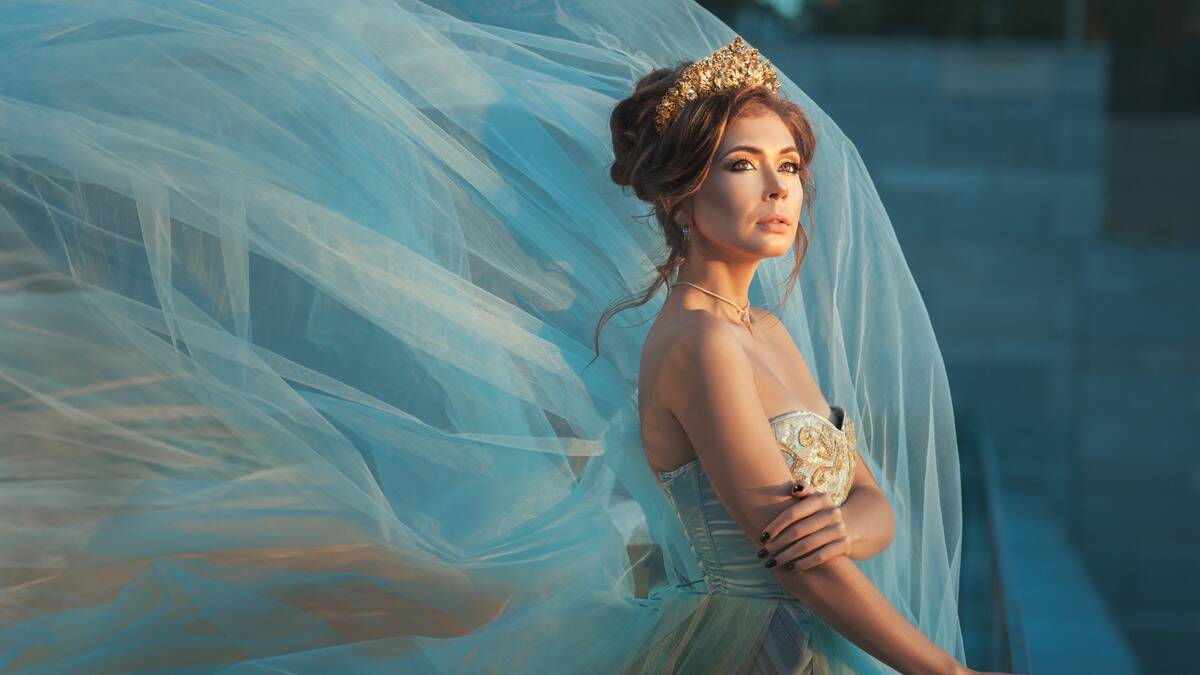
<point x="757" y="151"/>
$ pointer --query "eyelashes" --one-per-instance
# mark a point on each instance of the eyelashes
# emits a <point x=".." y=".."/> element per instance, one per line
<point x="733" y="166"/>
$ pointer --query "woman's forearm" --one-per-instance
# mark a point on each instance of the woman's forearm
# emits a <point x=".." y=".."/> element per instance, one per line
<point x="869" y="521"/>
<point x="838" y="592"/>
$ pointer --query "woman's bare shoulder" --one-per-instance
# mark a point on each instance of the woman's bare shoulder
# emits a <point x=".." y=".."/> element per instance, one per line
<point x="690" y="330"/>
<point x="682" y="335"/>
<point x="672" y="347"/>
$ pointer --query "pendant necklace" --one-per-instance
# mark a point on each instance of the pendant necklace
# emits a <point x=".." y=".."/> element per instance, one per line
<point x="743" y="312"/>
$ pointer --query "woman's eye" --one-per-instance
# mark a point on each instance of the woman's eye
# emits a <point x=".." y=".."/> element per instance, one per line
<point x="795" y="167"/>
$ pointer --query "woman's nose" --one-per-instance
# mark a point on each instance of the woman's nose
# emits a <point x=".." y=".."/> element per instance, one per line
<point x="775" y="186"/>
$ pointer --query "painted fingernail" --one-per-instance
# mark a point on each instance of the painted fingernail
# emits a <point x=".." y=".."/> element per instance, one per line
<point x="764" y="536"/>
<point x="762" y="553"/>
<point x="790" y="566"/>
<point x="771" y="562"/>
<point x="798" y="487"/>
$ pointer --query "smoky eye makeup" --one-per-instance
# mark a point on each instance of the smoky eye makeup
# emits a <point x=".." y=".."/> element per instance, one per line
<point x="735" y="165"/>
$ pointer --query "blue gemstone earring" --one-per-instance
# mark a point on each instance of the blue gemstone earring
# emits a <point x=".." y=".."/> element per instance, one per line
<point x="686" y="229"/>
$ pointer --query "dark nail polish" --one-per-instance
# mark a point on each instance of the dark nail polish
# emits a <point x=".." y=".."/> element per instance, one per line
<point x="797" y="488"/>
<point x="771" y="562"/>
<point x="762" y="553"/>
<point x="764" y="536"/>
<point x="791" y="565"/>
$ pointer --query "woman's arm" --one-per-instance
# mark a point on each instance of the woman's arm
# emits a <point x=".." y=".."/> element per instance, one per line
<point x="866" y="512"/>
<point x="869" y="520"/>
<point x="845" y="598"/>
<point x="813" y="530"/>
<point x="717" y="403"/>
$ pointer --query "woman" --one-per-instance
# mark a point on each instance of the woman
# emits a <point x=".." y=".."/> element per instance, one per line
<point x="722" y="386"/>
<point x="297" y="303"/>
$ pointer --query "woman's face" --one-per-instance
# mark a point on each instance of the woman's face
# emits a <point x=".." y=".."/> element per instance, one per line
<point x="754" y="175"/>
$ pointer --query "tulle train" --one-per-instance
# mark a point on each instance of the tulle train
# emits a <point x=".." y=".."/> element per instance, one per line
<point x="295" y="306"/>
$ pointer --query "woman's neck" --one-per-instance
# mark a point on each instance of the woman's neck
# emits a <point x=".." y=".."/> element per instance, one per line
<point x="706" y="294"/>
<point x="726" y="280"/>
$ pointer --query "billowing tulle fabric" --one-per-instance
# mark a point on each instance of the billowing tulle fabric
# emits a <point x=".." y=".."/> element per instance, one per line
<point x="295" y="303"/>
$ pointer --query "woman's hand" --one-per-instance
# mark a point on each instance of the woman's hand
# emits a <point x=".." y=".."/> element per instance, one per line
<point x="807" y="533"/>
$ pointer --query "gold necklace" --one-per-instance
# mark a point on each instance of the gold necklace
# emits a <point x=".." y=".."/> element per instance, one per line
<point x="743" y="312"/>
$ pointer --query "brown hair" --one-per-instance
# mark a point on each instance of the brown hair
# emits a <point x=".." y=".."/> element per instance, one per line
<point x="665" y="170"/>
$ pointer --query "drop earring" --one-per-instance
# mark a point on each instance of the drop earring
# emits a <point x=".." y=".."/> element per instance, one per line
<point x="686" y="230"/>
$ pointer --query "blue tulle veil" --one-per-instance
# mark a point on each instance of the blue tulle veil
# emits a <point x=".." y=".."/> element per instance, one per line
<point x="294" y="312"/>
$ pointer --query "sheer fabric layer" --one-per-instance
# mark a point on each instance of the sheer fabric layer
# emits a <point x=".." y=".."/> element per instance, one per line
<point x="295" y="304"/>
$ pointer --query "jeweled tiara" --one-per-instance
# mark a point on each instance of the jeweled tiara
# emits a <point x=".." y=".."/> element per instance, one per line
<point x="733" y="66"/>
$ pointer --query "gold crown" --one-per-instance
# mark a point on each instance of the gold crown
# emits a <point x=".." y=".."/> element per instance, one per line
<point x="733" y="66"/>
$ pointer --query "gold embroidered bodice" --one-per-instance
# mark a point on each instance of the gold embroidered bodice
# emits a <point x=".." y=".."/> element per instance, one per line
<point x="817" y="452"/>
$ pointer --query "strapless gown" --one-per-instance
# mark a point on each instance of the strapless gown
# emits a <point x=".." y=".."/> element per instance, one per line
<point x="819" y="452"/>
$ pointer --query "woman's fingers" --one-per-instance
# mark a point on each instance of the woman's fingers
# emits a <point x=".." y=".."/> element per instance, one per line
<point x="803" y="528"/>
<point x="830" y="534"/>
<point x="803" y="508"/>
<point x="808" y="518"/>
<point x="823" y="554"/>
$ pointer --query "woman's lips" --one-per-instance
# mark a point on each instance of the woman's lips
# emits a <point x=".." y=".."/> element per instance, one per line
<point x="774" y="226"/>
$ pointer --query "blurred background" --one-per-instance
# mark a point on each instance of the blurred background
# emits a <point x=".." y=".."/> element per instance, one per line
<point x="1036" y="158"/>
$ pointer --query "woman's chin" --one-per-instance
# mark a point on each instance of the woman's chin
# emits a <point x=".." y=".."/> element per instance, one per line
<point x="775" y="245"/>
